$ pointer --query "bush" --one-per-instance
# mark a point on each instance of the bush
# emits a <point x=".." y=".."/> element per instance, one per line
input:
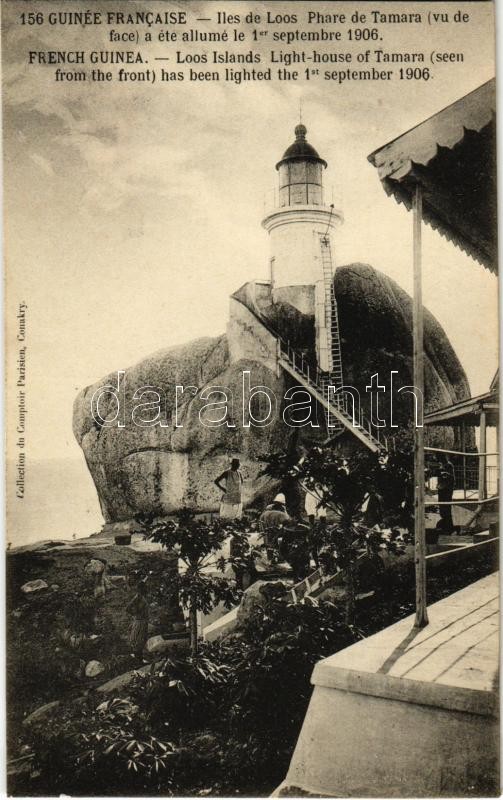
<point x="200" y="724"/>
<point x="88" y="747"/>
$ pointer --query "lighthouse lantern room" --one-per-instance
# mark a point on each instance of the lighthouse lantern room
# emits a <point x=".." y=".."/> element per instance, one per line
<point x="301" y="173"/>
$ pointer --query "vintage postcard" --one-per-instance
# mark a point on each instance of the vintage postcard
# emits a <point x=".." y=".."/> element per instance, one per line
<point x="252" y="398"/>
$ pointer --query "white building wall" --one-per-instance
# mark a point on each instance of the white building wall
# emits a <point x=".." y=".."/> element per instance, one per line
<point x="248" y="338"/>
<point x="294" y="242"/>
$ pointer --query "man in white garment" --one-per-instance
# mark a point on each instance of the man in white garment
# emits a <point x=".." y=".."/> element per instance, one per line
<point x="231" y="506"/>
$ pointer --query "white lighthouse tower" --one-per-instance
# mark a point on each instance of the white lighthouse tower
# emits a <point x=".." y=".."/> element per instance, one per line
<point x="300" y="228"/>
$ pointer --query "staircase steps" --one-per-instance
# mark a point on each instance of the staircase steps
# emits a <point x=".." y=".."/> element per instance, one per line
<point x="337" y="409"/>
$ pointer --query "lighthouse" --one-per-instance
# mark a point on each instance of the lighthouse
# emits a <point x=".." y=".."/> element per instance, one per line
<point x="301" y="228"/>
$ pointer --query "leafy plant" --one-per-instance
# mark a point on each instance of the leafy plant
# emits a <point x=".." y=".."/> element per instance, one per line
<point x="182" y="693"/>
<point x="248" y="693"/>
<point x="116" y="736"/>
<point x="87" y="747"/>
<point x="344" y="484"/>
<point x="200" y="583"/>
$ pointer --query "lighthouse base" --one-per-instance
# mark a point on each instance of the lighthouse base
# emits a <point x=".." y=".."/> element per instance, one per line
<point x="301" y="297"/>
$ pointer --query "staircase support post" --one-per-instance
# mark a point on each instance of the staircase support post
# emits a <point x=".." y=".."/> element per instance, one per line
<point x="417" y="324"/>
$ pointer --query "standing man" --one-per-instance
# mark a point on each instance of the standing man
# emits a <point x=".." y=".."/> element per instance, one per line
<point x="139" y="609"/>
<point x="272" y="519"/>
<point x="231" y="506"/>
<point x="316" y="511"/>
<point x="446" y="481"/>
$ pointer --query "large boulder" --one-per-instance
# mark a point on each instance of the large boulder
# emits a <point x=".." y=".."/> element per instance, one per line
<point x="160" y="469"/>
<point x="375" y="317"/>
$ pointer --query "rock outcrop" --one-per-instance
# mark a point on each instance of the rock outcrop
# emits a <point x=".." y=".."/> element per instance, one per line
<point x="159" y="469"/>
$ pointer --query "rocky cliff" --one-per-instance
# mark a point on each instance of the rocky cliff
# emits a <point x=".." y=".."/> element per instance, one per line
<point x="173" y="464"/>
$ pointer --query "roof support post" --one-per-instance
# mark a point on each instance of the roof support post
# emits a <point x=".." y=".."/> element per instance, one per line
<point x="497" y="448"/>
<point x="482" y="459"/>
<point x="418" y="362"/>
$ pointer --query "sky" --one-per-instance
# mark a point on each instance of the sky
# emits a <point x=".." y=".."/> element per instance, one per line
<point x="132" y="212"/>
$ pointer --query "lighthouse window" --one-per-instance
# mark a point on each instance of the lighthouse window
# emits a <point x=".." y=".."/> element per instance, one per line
<point x="298" y="172"/>
<point x="314" y="194"/>
<point x="284" y="196"/>
<point x="298" y="194"/>
<point x="284" y="175"/>
<point x="313" y="172"/>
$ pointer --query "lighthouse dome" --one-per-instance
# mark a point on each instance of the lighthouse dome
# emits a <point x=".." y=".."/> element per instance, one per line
<point x="300" y="150"/>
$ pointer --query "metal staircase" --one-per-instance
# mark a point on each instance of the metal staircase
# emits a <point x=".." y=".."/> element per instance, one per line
<point x="314" y="584"/>
<point x="308" y="586"/>
<point x="316" y="383"/>
<point x="338" y="406"/>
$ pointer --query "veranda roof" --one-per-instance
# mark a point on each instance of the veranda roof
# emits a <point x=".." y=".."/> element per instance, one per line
<point x="467" y="411"/>
<point x="452" y="156"/>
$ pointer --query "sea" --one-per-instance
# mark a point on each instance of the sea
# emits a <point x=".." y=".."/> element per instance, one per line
<point x="60" y="502"/>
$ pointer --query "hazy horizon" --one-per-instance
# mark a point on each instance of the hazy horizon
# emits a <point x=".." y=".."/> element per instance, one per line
<point x="60" y="502"/>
